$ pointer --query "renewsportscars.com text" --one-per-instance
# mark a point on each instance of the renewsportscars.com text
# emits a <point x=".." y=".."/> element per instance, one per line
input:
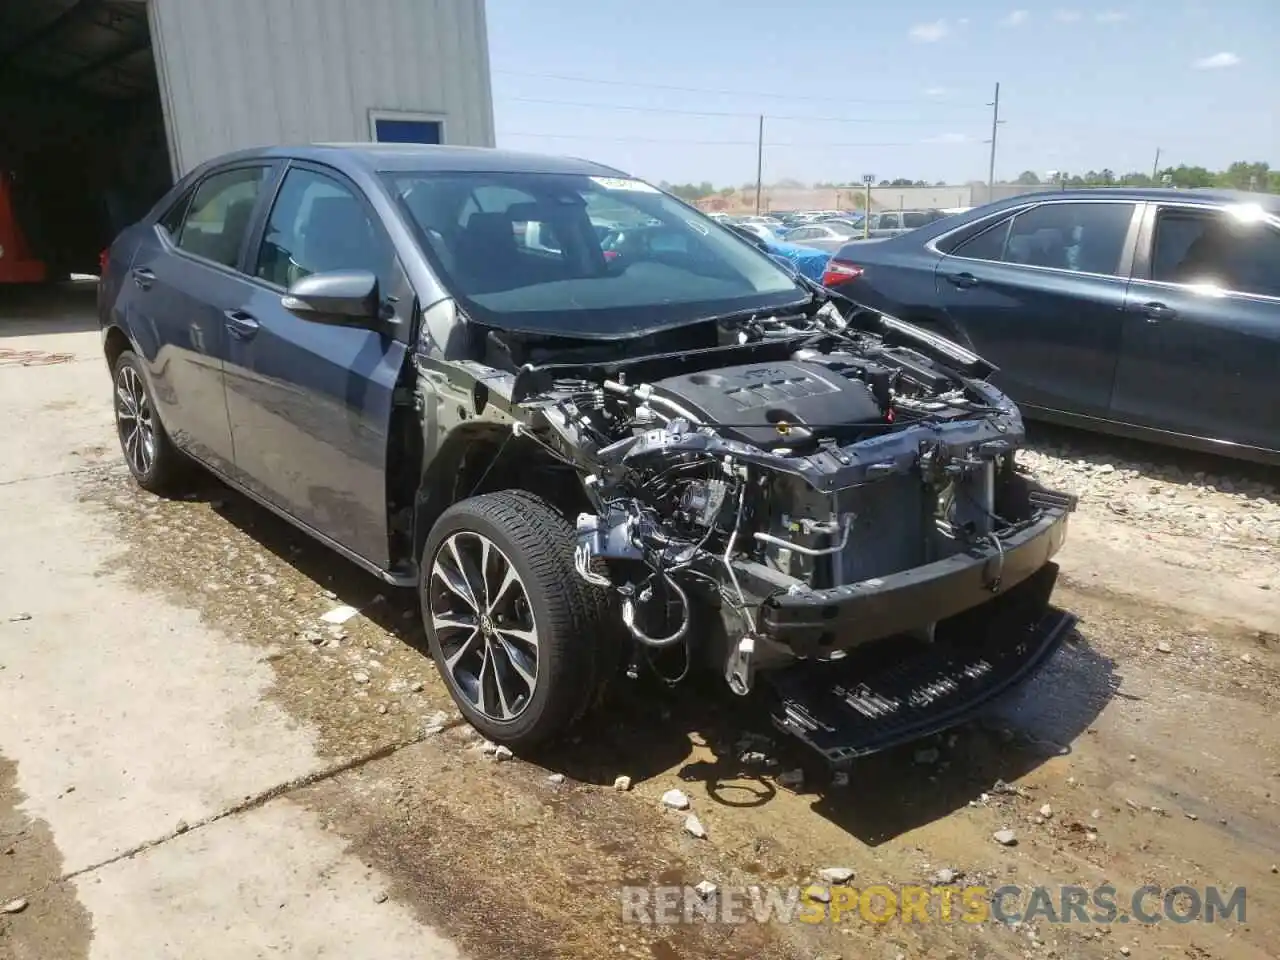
<point x="1150" y="904"/>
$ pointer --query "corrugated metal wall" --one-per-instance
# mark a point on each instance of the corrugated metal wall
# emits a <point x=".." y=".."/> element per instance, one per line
<point x="244" y="73"/>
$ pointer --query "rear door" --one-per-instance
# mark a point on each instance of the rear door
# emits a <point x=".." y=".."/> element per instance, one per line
<point x="1201" y="346"/>
<point x="1041" y="295"/>
<point x="182" y="281"/>
<point x="310" y="404"/>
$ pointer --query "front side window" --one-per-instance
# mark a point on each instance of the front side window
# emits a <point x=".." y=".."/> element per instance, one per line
<point x="575" y="254"/>
<point x="318" y="224"/>
<point x="1212" y="247"/>
<point x="1087" y="237"/>
<point x="887" y="221"/>
<point x="215" y="223"/>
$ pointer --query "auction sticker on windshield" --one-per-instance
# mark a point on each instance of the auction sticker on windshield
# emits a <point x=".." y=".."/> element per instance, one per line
<point x="622" y="183"/>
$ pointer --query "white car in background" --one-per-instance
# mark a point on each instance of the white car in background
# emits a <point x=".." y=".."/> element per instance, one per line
<point x="829" y="235"/>
<point x="764" y="231"/>
<point x="772" y="222"/>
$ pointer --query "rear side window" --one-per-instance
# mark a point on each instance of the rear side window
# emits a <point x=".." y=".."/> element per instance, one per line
<point x="215" y="223"/>
<point x="1193" y="246"/>
<point x="316" y="225"/>
<point x="1084" y="237"/>
<point x="988" y="245"/>
<point x="174" y="216"/>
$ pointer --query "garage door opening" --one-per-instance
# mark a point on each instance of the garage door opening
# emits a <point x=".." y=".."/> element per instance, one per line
<point x="83" y="150"/>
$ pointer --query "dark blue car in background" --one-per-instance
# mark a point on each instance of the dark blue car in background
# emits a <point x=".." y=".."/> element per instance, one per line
<point x="1147" y="313"/>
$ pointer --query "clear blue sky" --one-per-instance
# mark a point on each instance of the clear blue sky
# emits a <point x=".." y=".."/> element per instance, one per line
<point x="1083" y="85"/>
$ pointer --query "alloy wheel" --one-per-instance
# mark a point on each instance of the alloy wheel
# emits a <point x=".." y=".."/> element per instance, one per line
<point x="480" y="612"/>
<point x="135" y="421"/>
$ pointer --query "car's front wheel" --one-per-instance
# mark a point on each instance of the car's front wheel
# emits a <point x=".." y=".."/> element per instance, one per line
<point x="156" y="464"/>
<point x="513" y="629"/>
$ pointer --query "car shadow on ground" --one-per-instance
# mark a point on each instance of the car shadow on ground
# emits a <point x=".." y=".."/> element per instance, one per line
<point x="700" y="732"/>
<point x="69" y="307"/>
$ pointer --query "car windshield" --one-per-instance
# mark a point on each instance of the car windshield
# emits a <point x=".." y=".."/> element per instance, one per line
<point x="841" y="228"/>
<point x="578" y="255"/>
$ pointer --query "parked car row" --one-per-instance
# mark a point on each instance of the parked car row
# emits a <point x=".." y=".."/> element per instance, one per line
<point x="1140" y="312"/>
<point x="830" y="229"/>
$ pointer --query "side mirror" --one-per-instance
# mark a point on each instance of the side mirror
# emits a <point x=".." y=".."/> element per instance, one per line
<point x="338" y="297"/>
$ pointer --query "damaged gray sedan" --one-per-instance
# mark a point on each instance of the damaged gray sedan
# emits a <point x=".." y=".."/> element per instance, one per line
<point x="593" y="451"/>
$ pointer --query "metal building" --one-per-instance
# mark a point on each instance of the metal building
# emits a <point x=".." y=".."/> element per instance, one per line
<point x="103" y="103"/>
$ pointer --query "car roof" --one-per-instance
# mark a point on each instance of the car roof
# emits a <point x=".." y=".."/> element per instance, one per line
<point x="1268" y="201"/>
<point x="380" y="157"/>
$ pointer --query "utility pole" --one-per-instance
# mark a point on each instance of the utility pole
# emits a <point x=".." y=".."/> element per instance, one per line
<point x="1155" y="167"/>
<point x="995" y="123"/>
<point x="867" y="180"/>
<point x="759" y="162"/>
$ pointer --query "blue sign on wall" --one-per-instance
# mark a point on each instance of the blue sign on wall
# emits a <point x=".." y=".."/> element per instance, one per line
<point x="406" y="131"/>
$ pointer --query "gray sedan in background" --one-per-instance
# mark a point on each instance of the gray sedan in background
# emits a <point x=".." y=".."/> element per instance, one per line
<point x="828" y="235"/>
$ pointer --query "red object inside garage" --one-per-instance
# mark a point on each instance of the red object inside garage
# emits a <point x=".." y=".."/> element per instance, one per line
<point x="16" y="262"/>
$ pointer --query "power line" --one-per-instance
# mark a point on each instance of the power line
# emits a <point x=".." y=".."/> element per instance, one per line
<point x="709" y="113"/>
<point x="581" y="136"/>
<point x="806" y="144"/>
<point x="731" y="93"/>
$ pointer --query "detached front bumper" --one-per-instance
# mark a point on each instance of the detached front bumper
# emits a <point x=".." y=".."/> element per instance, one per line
<point x="816" y="622"/>
<point x="874" y="699"/>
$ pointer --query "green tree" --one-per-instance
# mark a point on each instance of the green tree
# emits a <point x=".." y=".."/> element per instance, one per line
<point x="1246" y="176"/>
<point x="1028" y="178"/>
<point x="1188" y="177"/>
<point x="1135" y="179"/>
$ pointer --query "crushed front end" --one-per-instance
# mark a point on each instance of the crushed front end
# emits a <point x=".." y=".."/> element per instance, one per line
<point x="835" y="517"/>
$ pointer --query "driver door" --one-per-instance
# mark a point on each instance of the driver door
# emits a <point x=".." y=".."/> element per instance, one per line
<point x="310" y="404"/>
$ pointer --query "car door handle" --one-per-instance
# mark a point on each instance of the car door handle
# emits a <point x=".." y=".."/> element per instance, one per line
<point x="1156" y="311"/>
<point x="143" y="277"/>
<point x="241" y="325"/>
<point x="962" y="280"/>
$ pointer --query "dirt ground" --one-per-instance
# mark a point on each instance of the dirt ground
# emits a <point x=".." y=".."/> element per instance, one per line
<point x="1151" y="738"/>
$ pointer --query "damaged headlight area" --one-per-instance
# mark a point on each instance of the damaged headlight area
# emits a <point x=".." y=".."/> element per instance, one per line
<point x="847" y="496"/>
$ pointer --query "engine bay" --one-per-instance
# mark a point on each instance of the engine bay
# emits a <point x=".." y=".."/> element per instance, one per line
<point x="766" y="492"/>
<point x="800" y="457"/>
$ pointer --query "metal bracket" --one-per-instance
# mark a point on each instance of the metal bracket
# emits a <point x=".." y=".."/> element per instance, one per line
<point x="739" y="669"/>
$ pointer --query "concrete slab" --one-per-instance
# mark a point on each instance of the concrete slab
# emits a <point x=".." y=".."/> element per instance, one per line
<point x="271" y="882"/>
<point x="124" y="715"/>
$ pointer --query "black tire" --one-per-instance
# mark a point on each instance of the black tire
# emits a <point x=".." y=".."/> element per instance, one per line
<point x="160" y="467"/>
<point x="575" y="649"/>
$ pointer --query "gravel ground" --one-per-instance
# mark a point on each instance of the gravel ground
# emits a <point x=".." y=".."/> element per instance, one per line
<point x="1161" y="489"/>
